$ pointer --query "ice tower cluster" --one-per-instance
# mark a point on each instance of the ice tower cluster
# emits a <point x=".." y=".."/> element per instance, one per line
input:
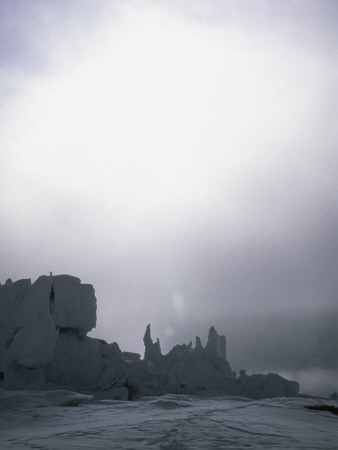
<point x="44" y="344"/>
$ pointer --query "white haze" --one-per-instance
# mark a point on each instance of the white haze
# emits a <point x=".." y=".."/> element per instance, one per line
<point x="180" y="158"/>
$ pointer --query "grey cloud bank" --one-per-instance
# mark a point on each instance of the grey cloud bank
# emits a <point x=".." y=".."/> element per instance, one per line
<point x="183" y="160"/>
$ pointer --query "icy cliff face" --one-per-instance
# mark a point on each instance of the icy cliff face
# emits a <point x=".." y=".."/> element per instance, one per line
<point x="33" y="315"/>
<point x="202" y="370"/>
<point x="260" y="386"/>
<point x="74" y="304"/>
<point x="152" y="351"/>
<point x="186" y="369"/>
<point x="76" y="361"/>
<point x="43" y="340"/>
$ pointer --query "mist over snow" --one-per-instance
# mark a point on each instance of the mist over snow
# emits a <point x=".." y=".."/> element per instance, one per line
<point x="183" y="159"/>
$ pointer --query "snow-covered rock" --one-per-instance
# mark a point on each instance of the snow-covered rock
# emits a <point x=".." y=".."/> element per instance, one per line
<point x="43" y="341"/>
<point x="74" y="304"/>
<point x="186" y="369"/>
<point x="259" y="386"/>
<point x="114" y="373"/>
<point x="31" y="316"/>
<point x="198" y="346"/>
<point x="193" y="374"/>
<point x="212" y="345"/>
<point x="216" y="345"/>
<point x="76" y="362"/>
<point x="28" y="334"/>
<point x="22" y="377"/>
<point x="152" y="349"/>
<point x="32" y="344"/>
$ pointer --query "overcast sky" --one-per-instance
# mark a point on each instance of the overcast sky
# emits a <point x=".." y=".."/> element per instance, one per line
<point x="181" y="158"/>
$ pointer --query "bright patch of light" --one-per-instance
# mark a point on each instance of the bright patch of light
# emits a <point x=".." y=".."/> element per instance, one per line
<point x="179" y="305"/>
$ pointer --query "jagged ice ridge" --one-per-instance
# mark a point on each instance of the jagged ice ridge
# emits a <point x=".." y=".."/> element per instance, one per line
<point x="44" y="343"/>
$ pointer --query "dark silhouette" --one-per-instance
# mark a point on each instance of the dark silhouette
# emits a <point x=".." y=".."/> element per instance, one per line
<point x="51" y="299"/>
<point x="329" y="408"/>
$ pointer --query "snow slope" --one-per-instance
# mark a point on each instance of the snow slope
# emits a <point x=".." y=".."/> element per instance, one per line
<point x="42" y="420"/>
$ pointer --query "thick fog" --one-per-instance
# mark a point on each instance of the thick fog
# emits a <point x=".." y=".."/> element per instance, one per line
<point x="183" y="159"/>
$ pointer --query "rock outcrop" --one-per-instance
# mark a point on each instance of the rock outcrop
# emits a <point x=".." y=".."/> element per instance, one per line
<point x="43" y="334"/>
<point x="186" y="369"/>
<point x="152" y="351"/>
<point x="260" y="386"/>
<point x="44" y="342"/>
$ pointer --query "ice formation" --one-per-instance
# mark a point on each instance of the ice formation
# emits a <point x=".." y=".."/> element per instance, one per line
<point x="44" y="343"/>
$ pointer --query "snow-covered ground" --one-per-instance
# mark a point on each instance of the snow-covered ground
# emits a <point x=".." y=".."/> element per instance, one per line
<point x="64" y="420"/>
